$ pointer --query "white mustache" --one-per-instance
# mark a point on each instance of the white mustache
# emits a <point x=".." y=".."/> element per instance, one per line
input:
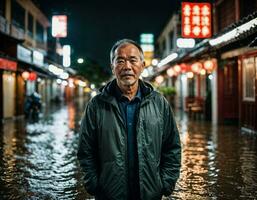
<point x="127" y="74"/>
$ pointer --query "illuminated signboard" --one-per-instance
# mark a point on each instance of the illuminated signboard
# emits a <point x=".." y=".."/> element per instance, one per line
<point x="24" y="54"/>
<point x="38" y="58"/>
<point x="185" y="42"/>
<point x="147" y="38"/>
<point x="196" y="20"/>
<point x="59" y="26"/>
<point x="146" y="43"/>
<point x="8" y="64"/>
<point x="66" y="55"/>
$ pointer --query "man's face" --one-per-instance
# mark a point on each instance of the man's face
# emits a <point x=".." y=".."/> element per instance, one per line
<point x="127" y="64"/>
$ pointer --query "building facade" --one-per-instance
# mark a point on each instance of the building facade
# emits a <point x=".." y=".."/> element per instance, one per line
<point x="220" y="73"/>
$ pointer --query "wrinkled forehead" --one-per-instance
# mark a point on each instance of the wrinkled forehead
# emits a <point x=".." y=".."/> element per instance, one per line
<point x="127" y="50"/>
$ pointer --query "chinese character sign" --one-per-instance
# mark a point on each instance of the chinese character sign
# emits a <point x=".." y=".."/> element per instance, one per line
<point x="196" y="20"/>
<point x="59" y="26"/>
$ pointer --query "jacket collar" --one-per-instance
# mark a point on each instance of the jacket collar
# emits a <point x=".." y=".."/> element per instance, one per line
<point x="107" y="92"/>
<point x="120" y="97"/>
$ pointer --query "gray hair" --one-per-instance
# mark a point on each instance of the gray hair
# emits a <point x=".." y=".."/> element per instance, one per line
<point x="124" y="42"/>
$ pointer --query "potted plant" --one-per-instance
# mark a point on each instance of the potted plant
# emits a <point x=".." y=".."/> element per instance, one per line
<point x="169" y="93"/>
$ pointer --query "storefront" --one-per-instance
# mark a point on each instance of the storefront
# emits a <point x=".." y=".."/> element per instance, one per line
<point x="8" y="70"/>
<point x="248" y="91"/>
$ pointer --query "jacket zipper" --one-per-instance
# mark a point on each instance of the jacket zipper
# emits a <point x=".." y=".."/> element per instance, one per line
<point x="139" y="152"/>
<point x="126" y="146"/>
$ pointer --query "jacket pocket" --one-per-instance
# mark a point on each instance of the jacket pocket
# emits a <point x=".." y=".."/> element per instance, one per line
<point x="152" y="185"/>
<point x="110" y="180"/>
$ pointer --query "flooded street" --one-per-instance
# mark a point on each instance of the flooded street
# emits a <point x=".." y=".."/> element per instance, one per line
<point x="39" y="159"/>
<point x="217" y="163"/>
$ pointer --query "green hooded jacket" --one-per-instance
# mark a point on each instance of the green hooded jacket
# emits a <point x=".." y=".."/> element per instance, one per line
<point x="102" y="150"/>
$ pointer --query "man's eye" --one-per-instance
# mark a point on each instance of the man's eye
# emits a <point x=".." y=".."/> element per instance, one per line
<point x="120" y="61"/>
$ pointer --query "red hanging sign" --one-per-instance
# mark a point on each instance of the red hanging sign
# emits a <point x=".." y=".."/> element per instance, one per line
<point x="196" y="20"/>
<point x="8" y="65"/>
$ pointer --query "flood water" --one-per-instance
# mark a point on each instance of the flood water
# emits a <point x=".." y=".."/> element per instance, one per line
<point x="38" y="160"/>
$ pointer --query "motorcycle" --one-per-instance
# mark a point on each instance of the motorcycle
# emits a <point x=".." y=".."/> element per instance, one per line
<point x="33" y="106"/>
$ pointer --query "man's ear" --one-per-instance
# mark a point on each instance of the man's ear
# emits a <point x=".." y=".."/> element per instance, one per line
<point x="143" y="66"/>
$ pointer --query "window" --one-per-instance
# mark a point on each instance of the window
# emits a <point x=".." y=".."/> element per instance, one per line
<point x="18" y="14"/>
<point x="178" y="29"/>
<point x="247" y="7"/>
<point x="2" y="6"/>
<point x="163" y="46"/>
<point x="30" y="25"/>
<point x="248" y="79"/>
<point x="171" y="34"/>
<point x="40" y="33"/>
<point x="224" y="17"/>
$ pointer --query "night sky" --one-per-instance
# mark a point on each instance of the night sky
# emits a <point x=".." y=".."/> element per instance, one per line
<point x="93" y="26"/>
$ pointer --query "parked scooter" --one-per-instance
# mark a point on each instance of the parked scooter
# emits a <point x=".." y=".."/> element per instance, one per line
<point x="33" y="106"/>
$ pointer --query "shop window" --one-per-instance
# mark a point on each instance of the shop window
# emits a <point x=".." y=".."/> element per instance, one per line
<point x="249" y="79"/>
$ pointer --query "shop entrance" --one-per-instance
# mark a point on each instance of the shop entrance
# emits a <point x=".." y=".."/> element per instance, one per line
<point x="228" y="92"/>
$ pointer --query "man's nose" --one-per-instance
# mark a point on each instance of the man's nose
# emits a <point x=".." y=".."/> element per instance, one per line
<point x="127" y="65"/>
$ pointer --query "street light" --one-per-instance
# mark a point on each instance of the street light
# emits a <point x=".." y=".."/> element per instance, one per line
<point x="80" y="60"/>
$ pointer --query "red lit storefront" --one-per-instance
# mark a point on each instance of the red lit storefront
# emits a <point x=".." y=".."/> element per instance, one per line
<point x="8" y="70"/>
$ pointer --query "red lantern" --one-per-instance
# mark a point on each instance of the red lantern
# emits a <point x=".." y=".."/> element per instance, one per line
<point x="32" y="76"/>
<point x="170" y="72"/>
<point x="196" y="67"/>
<point x="184" y="67"/>
<point x="209" y="65"/>
<point x="177" y="69"/>
<point x="25" y="75"/>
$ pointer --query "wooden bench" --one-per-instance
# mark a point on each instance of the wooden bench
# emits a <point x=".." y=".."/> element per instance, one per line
<point x="188" y="103"/>
<point x="196" y="108"/>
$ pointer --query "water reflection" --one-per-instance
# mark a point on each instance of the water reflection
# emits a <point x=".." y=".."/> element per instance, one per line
<point x="43" y="165"/>
<point x="193" y="183"/>
<point x="219" y="162"/>
<point x="39" y="159"/>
